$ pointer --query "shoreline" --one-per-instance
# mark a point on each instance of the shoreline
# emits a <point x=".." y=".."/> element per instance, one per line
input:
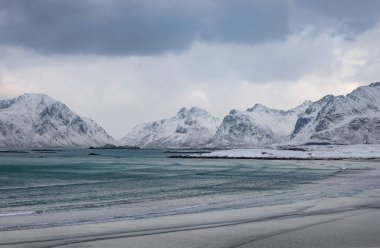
<point x="270" y="158"/>
<point x="247" y="227"/>
<point x="330" y="152"/>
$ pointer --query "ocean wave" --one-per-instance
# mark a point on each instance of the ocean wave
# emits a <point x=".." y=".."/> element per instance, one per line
<point x="18" y="213"/>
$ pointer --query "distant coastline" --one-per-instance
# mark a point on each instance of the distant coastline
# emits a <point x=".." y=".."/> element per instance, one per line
<point x="310" y="152"/>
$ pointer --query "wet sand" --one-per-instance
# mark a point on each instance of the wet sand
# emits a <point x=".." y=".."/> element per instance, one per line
<point x="326" y="222"/>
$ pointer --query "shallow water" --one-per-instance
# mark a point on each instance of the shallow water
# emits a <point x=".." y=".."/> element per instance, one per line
<point x="52" y="189"/>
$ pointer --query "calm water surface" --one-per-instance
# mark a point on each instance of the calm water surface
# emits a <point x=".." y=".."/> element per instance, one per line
<point x="51" y="189"/>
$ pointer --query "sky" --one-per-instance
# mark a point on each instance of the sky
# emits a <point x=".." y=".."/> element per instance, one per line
<point x="124" y="62"/>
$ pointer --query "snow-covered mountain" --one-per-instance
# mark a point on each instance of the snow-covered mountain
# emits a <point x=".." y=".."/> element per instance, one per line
<point x="350" y="119"/>
<point x="257" y="126"/>
<point x="190" y="128"/>
<point x="36" y="120"/>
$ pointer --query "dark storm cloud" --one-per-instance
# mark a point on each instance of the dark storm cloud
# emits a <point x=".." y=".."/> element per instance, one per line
<point x="244" y="21"/>
<point x="136" y="26"/>
<point x="343" y="9"/>
<point x="349" y="18"/>
<point x="94" y="27"/>
<point x="142" y="27"/>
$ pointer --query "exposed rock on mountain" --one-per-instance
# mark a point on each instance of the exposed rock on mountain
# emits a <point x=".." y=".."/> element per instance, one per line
<point x="257" y="126"/>
<point x="350" y="119"/>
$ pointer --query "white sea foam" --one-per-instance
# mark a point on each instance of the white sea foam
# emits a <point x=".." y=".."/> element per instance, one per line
<point x="17" y="213"/>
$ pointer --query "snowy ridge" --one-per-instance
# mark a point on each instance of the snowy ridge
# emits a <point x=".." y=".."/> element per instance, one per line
<point x="36" y="120"/>
<point x="350" y="119"/>
<point x="190" y="128"/>
<point x="257" y="126"/>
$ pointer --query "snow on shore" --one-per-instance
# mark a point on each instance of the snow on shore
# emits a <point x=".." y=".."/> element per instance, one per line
<point x="301" y="152"/>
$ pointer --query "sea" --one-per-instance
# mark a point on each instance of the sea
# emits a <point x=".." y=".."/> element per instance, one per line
<point x="46" y="188"/>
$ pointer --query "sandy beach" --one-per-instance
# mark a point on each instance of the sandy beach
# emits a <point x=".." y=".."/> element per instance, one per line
<point x="332" y="222"/>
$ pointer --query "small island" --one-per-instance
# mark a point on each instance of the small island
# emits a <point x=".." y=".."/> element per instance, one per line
<point x="110" y="146"/>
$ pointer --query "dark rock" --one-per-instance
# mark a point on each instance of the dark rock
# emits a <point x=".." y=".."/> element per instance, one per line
<point x="93" y="154"/>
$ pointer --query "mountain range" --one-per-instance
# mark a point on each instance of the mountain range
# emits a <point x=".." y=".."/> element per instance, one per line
<point x="350" y="119"/>
<point x="36" y="120"/>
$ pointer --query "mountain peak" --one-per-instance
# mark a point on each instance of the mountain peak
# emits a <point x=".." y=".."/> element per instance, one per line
<point x="36" y="98"/>
<point x="184" y="112"/>
<point x="27" y="102"/>
<point x="233" y="111"/>
<point x="34" y="95"/>
<point x="190" y="128"/>
<point x="301" y="108"/>
<point x="306" y="102"/>
<point x="326" y="98"/>
<point x="377" y="84"/>
<point x="258" y="106"/>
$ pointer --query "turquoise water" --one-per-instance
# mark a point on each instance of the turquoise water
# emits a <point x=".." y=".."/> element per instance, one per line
<point x="51" y="189"/>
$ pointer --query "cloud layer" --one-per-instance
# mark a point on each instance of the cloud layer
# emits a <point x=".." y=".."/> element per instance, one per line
<point x="144" y="27"/>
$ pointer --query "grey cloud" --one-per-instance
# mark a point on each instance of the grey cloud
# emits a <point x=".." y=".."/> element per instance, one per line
<point x="145" y="27"/>
<point x="110" y="27"/>
<point x="348" y="18"/>
<point x="244" y="21"/>
<point x="136" y="26"/>
<point x="343" y="9"/>
<point x="350" y="29"/>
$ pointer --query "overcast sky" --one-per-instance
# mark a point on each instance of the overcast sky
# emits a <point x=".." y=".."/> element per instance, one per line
<point x="123" y="62"/>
